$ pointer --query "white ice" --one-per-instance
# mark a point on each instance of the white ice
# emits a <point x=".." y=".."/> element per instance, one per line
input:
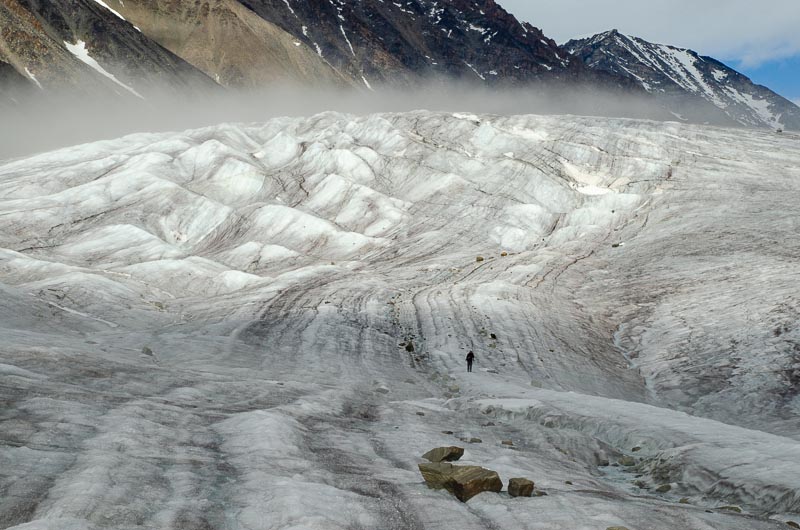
<point x="211" y="329"/>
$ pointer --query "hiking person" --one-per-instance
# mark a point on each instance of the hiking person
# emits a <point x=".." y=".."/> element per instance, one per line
<point x="470" y="358"/>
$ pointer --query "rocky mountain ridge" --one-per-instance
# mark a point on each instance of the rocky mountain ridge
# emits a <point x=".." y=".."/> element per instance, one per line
<point x="394" y="42"/>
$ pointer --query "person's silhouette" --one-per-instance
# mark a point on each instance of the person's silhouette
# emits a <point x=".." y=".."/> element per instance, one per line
<point x="470" y="358"/>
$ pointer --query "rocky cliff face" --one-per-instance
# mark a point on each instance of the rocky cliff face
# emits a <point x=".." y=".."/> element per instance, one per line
<point x="692" y="86"/>
<point x="230" y="43"/>
<point x="82" y="44"/>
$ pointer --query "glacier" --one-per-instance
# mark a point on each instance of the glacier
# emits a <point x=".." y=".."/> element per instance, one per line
<point x="263" y="326"/>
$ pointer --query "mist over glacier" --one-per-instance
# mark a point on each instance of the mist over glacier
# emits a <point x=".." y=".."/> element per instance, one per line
<point x="263" y="325"/>
<point x="54" y="119"/>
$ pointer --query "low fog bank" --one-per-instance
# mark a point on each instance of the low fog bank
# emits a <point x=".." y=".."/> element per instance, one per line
<point x="47" y="122"/>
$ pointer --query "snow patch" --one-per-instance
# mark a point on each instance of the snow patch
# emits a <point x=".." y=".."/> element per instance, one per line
<point x="80" y="51"/>
<point x="33" y="78"/>
<point x="117" y="13"/>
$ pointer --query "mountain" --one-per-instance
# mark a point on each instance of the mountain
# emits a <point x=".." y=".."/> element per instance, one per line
<point x="84" y="46"/>
<point x="140" y="48"/>
<point x="692" y="86"/>
<point x="264" y="326"/>
<point x="247" y="44"/>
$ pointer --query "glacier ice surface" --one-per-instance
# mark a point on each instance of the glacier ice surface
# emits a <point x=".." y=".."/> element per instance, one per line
<point x="209" y="329"/>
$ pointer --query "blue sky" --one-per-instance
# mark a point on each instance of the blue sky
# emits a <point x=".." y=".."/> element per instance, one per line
<point x="781" y="76"/>
<point x="760" y="39"/>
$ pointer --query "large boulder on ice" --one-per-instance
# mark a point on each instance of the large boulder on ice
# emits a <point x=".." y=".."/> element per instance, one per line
<point x="462" y="481"/>
<point x="520" y="487"/>
<point x="444" y="454"/>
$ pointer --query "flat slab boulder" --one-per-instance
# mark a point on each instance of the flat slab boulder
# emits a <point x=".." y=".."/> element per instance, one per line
<point x="520" y="487"/>
<point x="444" y="454"/>
<point x="464" y="482"/>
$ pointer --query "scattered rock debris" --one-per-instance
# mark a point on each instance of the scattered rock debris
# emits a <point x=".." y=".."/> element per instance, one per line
<point x="444" y="454"/>
<point x="520" y="487"/>
<point x="464" y="482"/>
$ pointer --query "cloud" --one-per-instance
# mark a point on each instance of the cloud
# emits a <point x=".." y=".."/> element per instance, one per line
<point x="739" y="30"/>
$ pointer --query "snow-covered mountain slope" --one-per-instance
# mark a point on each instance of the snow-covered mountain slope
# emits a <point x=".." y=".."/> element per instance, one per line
<point x="694" y="85"/>
<point x="84" y="45"/>
<point x="264" y="326"/>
